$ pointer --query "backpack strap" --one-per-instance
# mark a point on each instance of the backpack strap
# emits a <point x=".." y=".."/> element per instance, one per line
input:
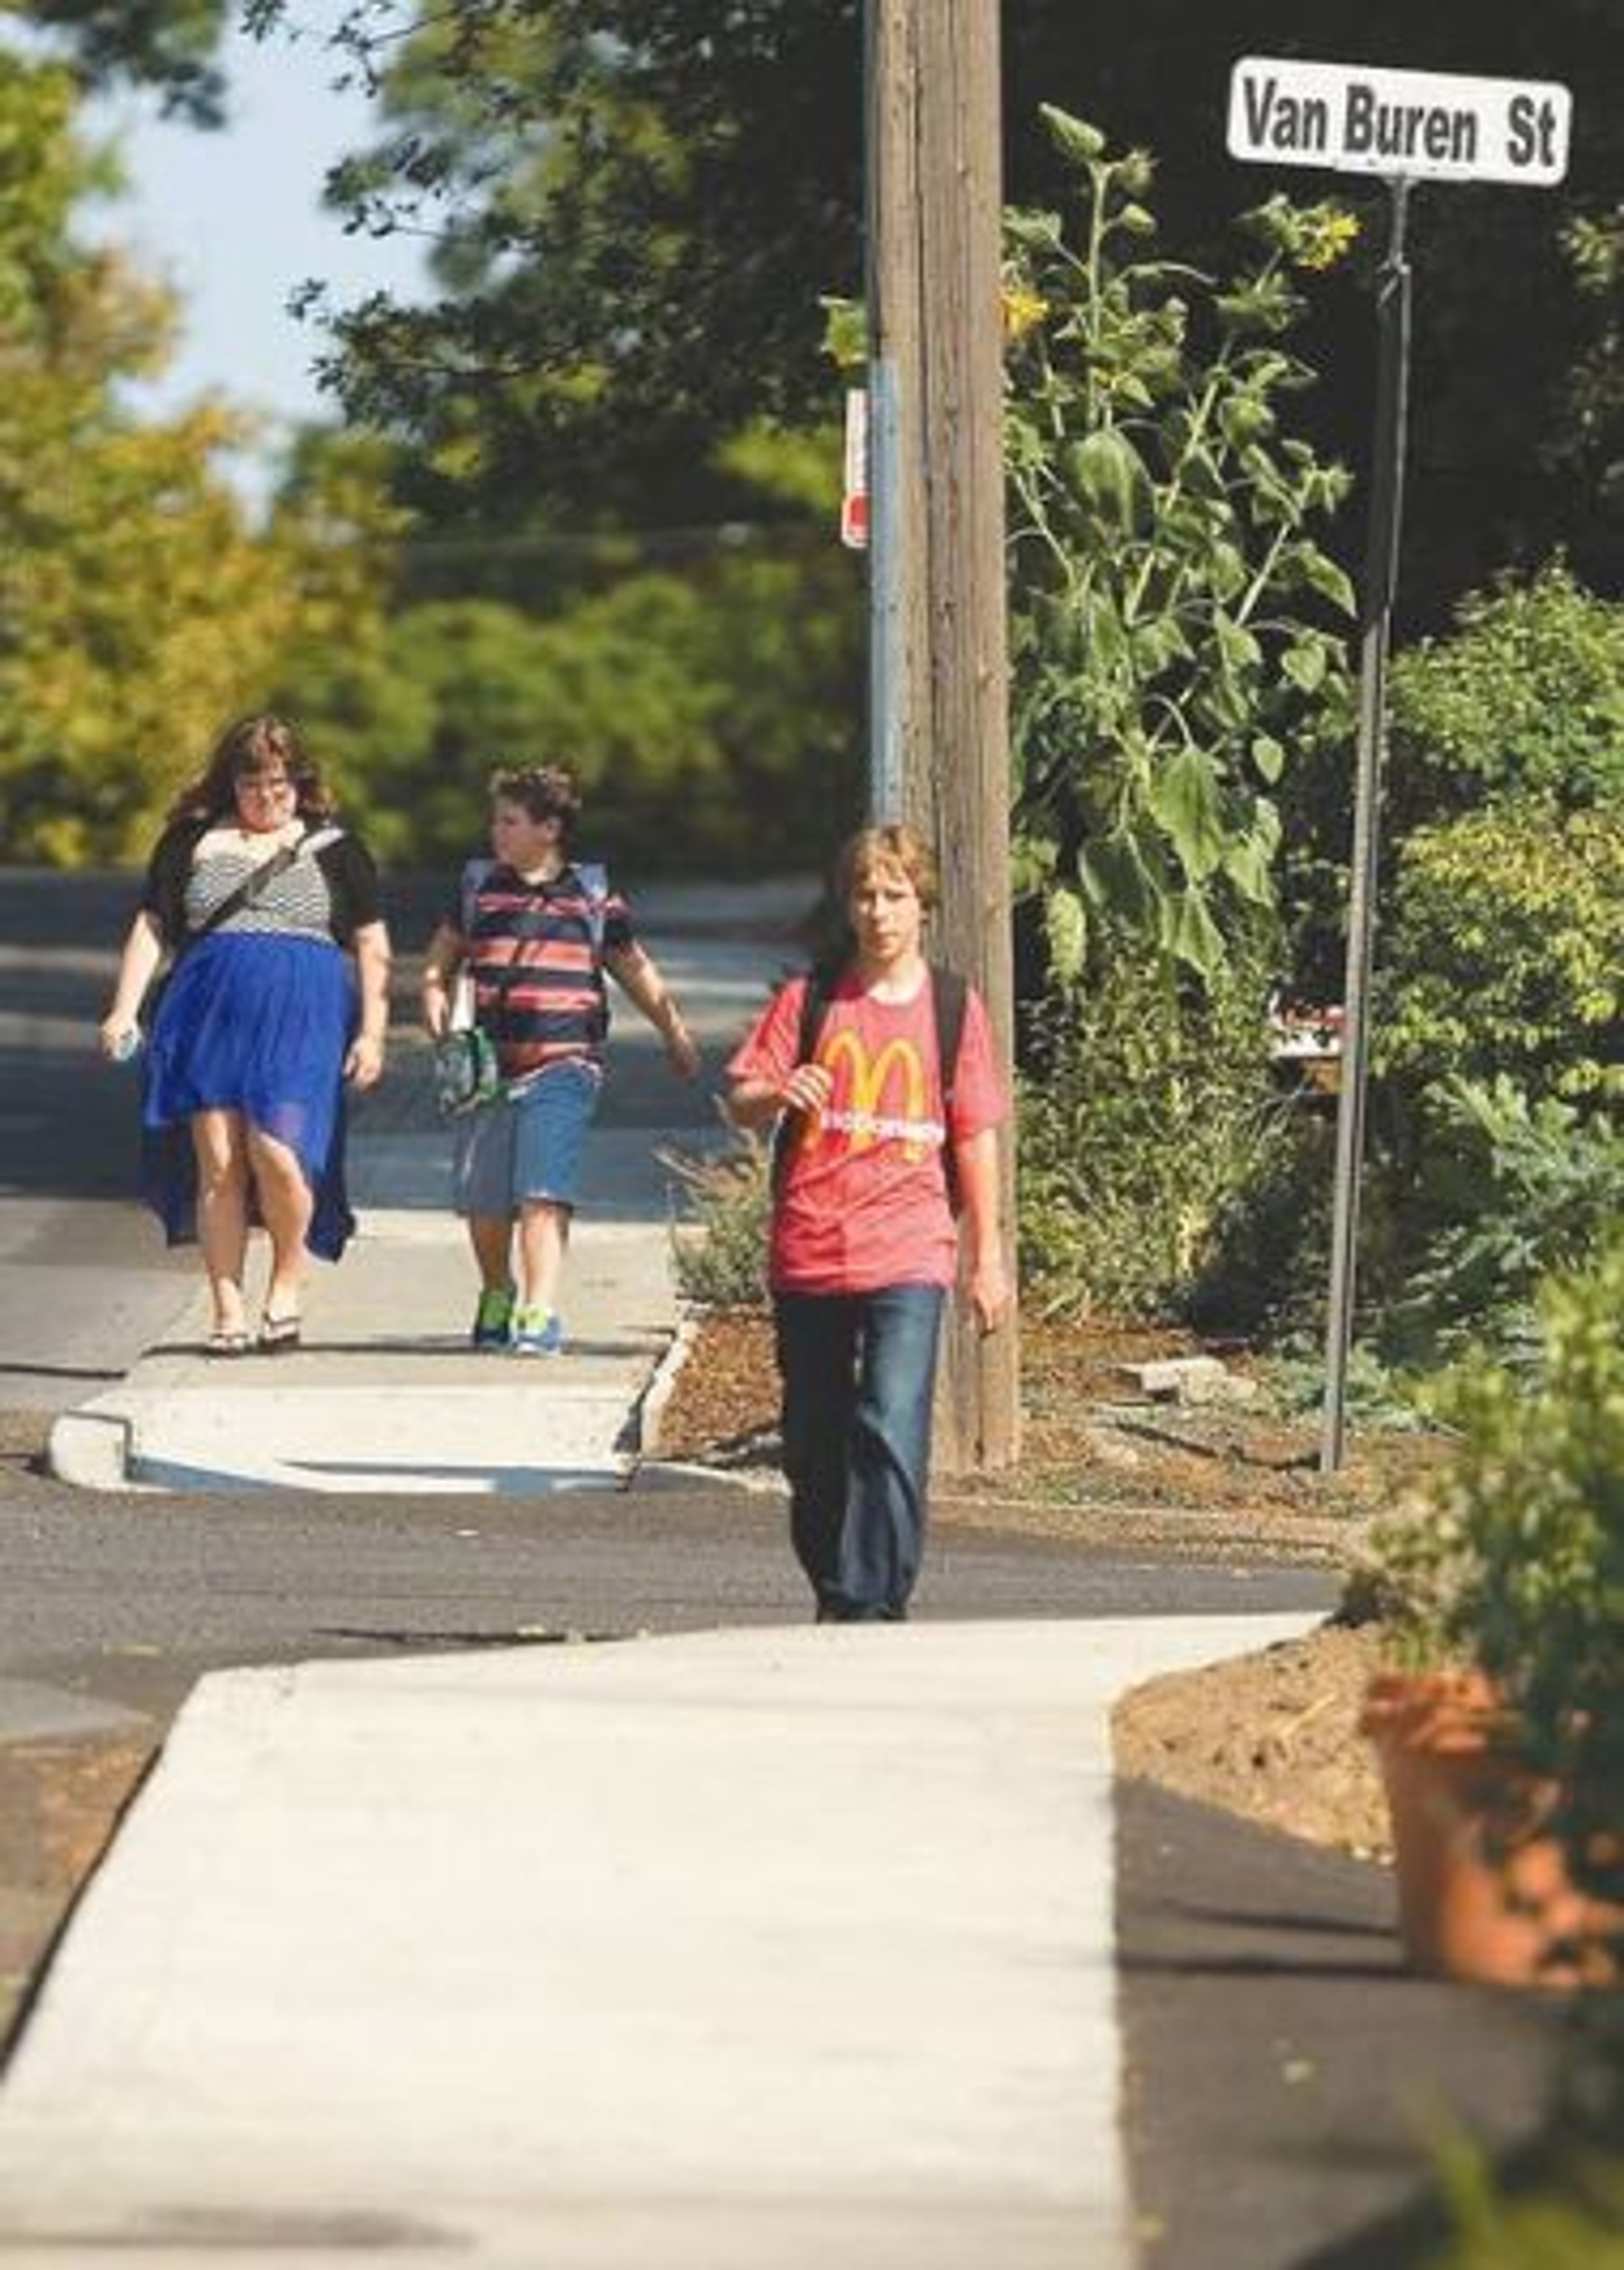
<point x="949" y="994"/>
<point x="474" y="874"/>
<point x="594" y="878"/>
<point x="821" y="980"/>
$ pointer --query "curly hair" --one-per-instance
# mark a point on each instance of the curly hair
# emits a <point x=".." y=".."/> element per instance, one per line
<point x="544" y="791"/>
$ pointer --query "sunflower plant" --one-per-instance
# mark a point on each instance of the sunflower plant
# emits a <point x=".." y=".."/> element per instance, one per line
<point x="1178" y="632"/>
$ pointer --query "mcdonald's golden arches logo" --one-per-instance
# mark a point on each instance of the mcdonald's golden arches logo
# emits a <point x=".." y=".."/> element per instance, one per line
<point x="896" y="1072"/>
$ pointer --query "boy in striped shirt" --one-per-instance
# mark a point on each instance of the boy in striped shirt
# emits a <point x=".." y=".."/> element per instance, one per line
<point x="533" y="934"/>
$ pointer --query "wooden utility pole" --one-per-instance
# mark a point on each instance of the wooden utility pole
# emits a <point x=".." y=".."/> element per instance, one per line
<point x="939" y="724"/>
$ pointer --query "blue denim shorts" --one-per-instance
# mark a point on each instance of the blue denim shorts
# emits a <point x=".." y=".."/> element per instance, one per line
<point x="528" y="1146"/>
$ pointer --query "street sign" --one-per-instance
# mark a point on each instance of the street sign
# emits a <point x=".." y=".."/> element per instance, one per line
<point x="1417" y="125"/>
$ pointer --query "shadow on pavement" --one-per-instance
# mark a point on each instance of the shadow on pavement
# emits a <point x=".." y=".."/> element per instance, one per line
<point x="1288" y="2082"/>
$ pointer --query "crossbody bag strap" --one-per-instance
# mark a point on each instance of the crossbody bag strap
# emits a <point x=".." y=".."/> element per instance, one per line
<point x="251" y="888"/>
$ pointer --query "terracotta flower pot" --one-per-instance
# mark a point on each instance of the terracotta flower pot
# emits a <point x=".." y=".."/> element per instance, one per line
<point x="1484" y="1891"/>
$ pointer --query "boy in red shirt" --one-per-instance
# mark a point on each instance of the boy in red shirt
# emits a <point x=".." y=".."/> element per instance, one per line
<point x="864" y="1247"/>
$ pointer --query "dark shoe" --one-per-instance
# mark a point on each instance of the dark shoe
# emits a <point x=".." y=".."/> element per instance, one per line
<point x="493" y="1324"/>
<point x="278" y="1335"/>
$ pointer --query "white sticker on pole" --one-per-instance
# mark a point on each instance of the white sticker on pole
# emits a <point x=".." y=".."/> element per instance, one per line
<point x="1422" y="125"/>
<point x="854" y="501"/>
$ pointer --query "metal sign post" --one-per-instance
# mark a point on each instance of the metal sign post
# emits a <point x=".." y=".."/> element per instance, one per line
<point x="1405" y="126"/>
<point x="1381" y="581"/>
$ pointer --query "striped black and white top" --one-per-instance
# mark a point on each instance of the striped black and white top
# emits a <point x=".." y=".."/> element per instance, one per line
<point x="330" y="891"/>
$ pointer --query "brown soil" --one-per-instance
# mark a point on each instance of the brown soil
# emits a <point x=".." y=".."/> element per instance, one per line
<point x="1273" y="1735"/>
<point x="60" y="1802"/>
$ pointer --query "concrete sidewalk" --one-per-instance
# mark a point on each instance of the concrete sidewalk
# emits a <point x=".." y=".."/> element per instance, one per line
<point x="385" y="1393"/>
<point x="709" y="1952"/>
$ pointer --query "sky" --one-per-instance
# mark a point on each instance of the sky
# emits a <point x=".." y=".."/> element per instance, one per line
<point x="232" y="221"/>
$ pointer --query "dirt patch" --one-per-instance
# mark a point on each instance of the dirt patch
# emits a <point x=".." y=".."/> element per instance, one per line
<point x="1271" y="1736"/>
<point x="60" y="1802"/>
<point x="23" y="1438"/>
<point x="1274" y="1736"/>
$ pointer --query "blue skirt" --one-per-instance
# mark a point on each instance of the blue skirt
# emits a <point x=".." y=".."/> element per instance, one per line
<point x="259" y="1024"/>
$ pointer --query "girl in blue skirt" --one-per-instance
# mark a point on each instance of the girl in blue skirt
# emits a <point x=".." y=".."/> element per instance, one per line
<point x="278" y="995"/>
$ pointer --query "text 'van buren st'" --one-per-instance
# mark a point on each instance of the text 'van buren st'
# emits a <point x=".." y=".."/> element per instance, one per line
<point x="1383" y="121"/>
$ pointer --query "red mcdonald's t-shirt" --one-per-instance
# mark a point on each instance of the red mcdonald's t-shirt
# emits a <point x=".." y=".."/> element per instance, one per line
<point x="864" y="1201"/>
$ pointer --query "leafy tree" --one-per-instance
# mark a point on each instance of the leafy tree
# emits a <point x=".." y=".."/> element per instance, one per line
<point x="712" y="720"/>
<point x="343" y="542"/>
<point x="166" y="44"/>
<point x="1173" y="615"/>
<point x="138" y="608"/>
<point x="711" y="706"/>
<point x="640" y="202"/>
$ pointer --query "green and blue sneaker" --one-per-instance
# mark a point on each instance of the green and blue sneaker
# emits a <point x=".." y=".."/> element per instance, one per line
<point x="493" y="1324"/>
<point x="536" y="1332"/>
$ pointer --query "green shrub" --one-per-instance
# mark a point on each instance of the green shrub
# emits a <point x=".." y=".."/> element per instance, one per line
<point x="1513" y="1562"/>
<point x="1505" y="954"/>
<point x="719" y="1226"/>
<point x="1150" y="1123"/>
<point x="1514" y="1191"/>
<point x="1525" y="699"/>
<point x="1521" y="1569"/>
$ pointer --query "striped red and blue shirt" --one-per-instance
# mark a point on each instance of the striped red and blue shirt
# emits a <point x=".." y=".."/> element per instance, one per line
<point x="537" y="978"/>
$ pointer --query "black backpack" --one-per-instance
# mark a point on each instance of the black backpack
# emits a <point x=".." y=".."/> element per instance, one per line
<point x="948" y="995"/>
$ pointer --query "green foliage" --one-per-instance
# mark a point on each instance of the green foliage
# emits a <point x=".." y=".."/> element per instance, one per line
<point x="719" y="1229"/>
<point x="1515" y="1191"/>
<point x="599" y="197"/>
<point x="1378" y="1398"/>
<point x="1564" y="2212"/>
<point x="1531" y="1512"/>
<point x="711" y="718"/>
<point x="139" y="611"/>
<point x="1505" y="954"/>
<point x="1517" y="1564"/>
<point x="167" y="44"/>
<point x="1150" y="1130"/>
<point x="1525" y="699"/>
<point x="639" y="201"/>
<point x="1513" y="1562"/>
<point x="1172" y="612"/>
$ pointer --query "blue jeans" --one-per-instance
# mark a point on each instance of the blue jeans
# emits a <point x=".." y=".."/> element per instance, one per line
<point x="859" y="1373"/>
